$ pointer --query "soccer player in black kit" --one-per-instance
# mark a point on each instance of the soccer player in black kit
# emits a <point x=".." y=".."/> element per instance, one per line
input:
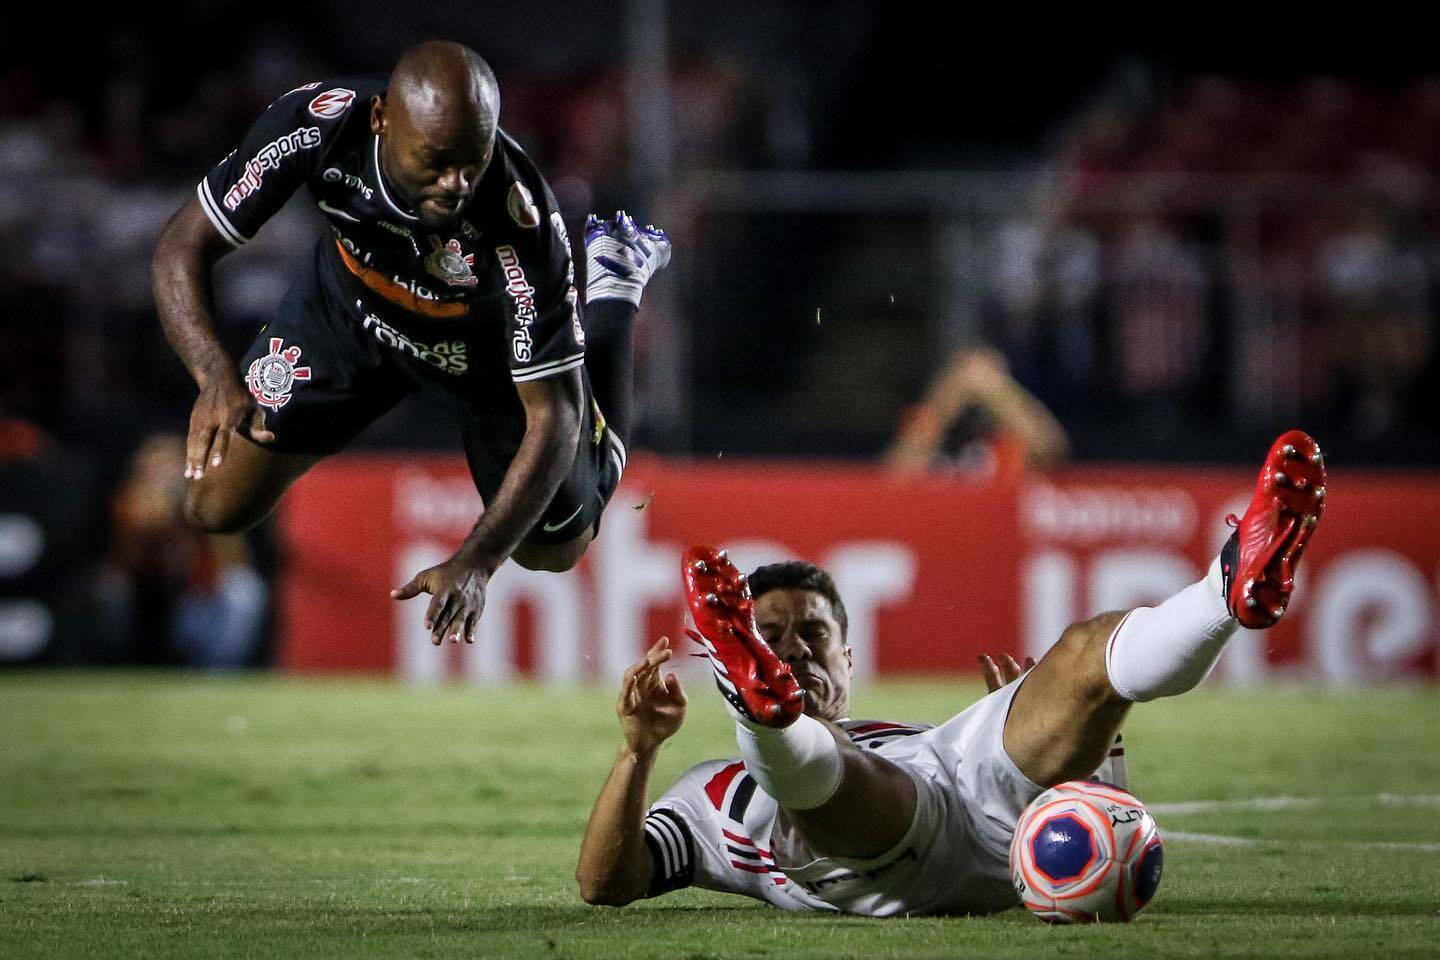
<point x="448" y="266"/>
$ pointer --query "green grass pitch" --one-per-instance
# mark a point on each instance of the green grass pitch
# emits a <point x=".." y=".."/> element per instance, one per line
<point x="169" y="815"/>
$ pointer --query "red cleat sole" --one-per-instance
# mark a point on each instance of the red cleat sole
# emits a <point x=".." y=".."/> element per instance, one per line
<point x="1288" y="503"/>
<point x="749" y="674"/>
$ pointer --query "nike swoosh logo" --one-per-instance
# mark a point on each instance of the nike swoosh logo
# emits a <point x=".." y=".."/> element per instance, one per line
<point x="339" y="213"/>
<point x="552" y="527"/>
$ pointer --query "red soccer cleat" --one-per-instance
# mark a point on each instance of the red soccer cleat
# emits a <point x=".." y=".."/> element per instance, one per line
<point x="755" y="681"/>
<point x="1258" y="562"/>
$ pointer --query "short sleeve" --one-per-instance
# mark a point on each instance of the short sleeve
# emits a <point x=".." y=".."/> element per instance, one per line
<point x="672" y="850"/>
<point x="276" y="157"/>
<point x="693" y="843"/>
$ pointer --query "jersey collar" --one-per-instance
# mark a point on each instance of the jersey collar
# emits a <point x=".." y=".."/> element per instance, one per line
<point x="380" y="179"/>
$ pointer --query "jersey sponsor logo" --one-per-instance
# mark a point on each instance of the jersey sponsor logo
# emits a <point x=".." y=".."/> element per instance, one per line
<point x="447" y="356"/>
<point x="362" y="259"/>
<point x="400" y="291"/>
<point x="395" y="228"/>
<point x="332" y="103"/>
<point x="336" y="175"/>
<point x="451" y="264"/>
<point x="304" y="86"/>
<point x="273" y="376"/>
<point x="524" y="296"/>
<point x="522" y="207"/>
<point x="268" y="158"/>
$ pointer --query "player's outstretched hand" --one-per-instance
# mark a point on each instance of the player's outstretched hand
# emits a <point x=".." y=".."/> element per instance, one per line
<point x="651" y="707"/>
<point x="1002" y="670"/>
<point x="457" y="598"/>
<point x="224" y="406"/>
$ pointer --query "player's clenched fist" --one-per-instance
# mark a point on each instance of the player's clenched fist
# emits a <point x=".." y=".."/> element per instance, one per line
<point x="651" y="707"/>
<point x="457" y="598"/>
<point x="223" y="406"/>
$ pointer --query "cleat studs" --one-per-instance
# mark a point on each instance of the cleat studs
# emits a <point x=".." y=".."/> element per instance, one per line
<point x="1317" y="459"/>
<point x="1278" y="612"/>
<point x="1301" y="484"/>
<point x="1311" y="520"/>
<point x="712" y="600"/>
<point x="723" y="556"/>
<point x="1288" y="450"/>
<point x="1251" y="603"/>
<point x="699" y="566"/>
<point x="1319" y="494"/>
<point x="1281" y="479"/>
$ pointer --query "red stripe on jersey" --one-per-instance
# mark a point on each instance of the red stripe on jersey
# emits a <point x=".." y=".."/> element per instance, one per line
<point x="749" y="867"/>
<point x="747" y="841"/>
<point x="720" y="783"/>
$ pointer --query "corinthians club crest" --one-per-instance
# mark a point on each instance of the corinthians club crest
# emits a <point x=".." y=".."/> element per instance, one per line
<point x="450" y="264"/>
<point x="273" y="376"/>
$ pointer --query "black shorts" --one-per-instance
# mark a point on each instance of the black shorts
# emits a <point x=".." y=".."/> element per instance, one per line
<point x="336" y="357"/>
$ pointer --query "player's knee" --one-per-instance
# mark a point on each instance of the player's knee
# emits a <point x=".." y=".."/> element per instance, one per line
<point x="551" y="557"/>
<point x="206" y="511"/>
<point x="1083" y="645"/>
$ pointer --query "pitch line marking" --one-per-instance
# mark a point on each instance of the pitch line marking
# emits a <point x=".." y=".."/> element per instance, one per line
<point x="1292" y="803"/>
<point x="1222" y="840"/>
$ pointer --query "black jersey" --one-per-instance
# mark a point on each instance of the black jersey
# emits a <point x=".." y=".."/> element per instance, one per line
<point x="505" y="261"/>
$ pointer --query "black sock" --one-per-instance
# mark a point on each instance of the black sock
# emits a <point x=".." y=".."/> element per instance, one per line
<point x="610" y="360"/>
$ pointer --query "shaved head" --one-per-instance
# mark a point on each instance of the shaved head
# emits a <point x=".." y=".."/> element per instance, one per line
<point x="437" y="126"/>
<point x="440" y="79"/>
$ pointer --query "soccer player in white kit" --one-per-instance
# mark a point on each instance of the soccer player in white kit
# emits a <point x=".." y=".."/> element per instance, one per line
<point x="883" y="819"/>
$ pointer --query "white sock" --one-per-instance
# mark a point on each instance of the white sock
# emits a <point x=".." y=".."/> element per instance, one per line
<point x="1166" y="650"/>
<point x="798" y="765"/>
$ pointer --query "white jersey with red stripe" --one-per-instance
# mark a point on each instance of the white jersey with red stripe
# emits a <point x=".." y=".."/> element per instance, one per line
<point x="714" y="828"/>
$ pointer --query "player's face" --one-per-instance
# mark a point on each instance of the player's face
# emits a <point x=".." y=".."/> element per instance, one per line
<point x="800" y="626"/>
<point x="433" y="157"/>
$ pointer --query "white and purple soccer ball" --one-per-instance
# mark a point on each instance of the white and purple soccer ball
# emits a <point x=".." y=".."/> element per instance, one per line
<point x="1086" y="852"/>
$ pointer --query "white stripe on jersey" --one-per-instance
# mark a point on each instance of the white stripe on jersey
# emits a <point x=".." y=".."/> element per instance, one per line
<point x="619" y="449"/>
<point x="216" y="218"/>
<point x="667" y="849"/>
<point x="542" y="370"/>
<point x="380" y="179"/>
<point x="668" y="838"/>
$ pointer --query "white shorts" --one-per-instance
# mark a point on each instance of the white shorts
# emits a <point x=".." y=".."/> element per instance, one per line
<point x="955" y="858"/>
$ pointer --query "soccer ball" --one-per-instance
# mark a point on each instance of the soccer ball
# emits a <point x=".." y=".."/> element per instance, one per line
<point x="1086" y="852"/>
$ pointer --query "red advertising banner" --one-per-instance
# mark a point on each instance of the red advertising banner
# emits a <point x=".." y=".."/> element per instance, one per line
<point x="934" y="570"/>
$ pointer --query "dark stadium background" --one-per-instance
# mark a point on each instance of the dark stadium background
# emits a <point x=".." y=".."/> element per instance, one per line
<point x="1180" y="245"/>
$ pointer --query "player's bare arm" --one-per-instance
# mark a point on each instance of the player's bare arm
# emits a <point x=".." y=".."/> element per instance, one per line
<point x="181" y="275"/>
<point x="457" y="586"/>
<point x="615" y="867"/>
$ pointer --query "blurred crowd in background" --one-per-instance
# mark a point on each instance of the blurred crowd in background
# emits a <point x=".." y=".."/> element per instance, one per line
<point x="877" y="255"/>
